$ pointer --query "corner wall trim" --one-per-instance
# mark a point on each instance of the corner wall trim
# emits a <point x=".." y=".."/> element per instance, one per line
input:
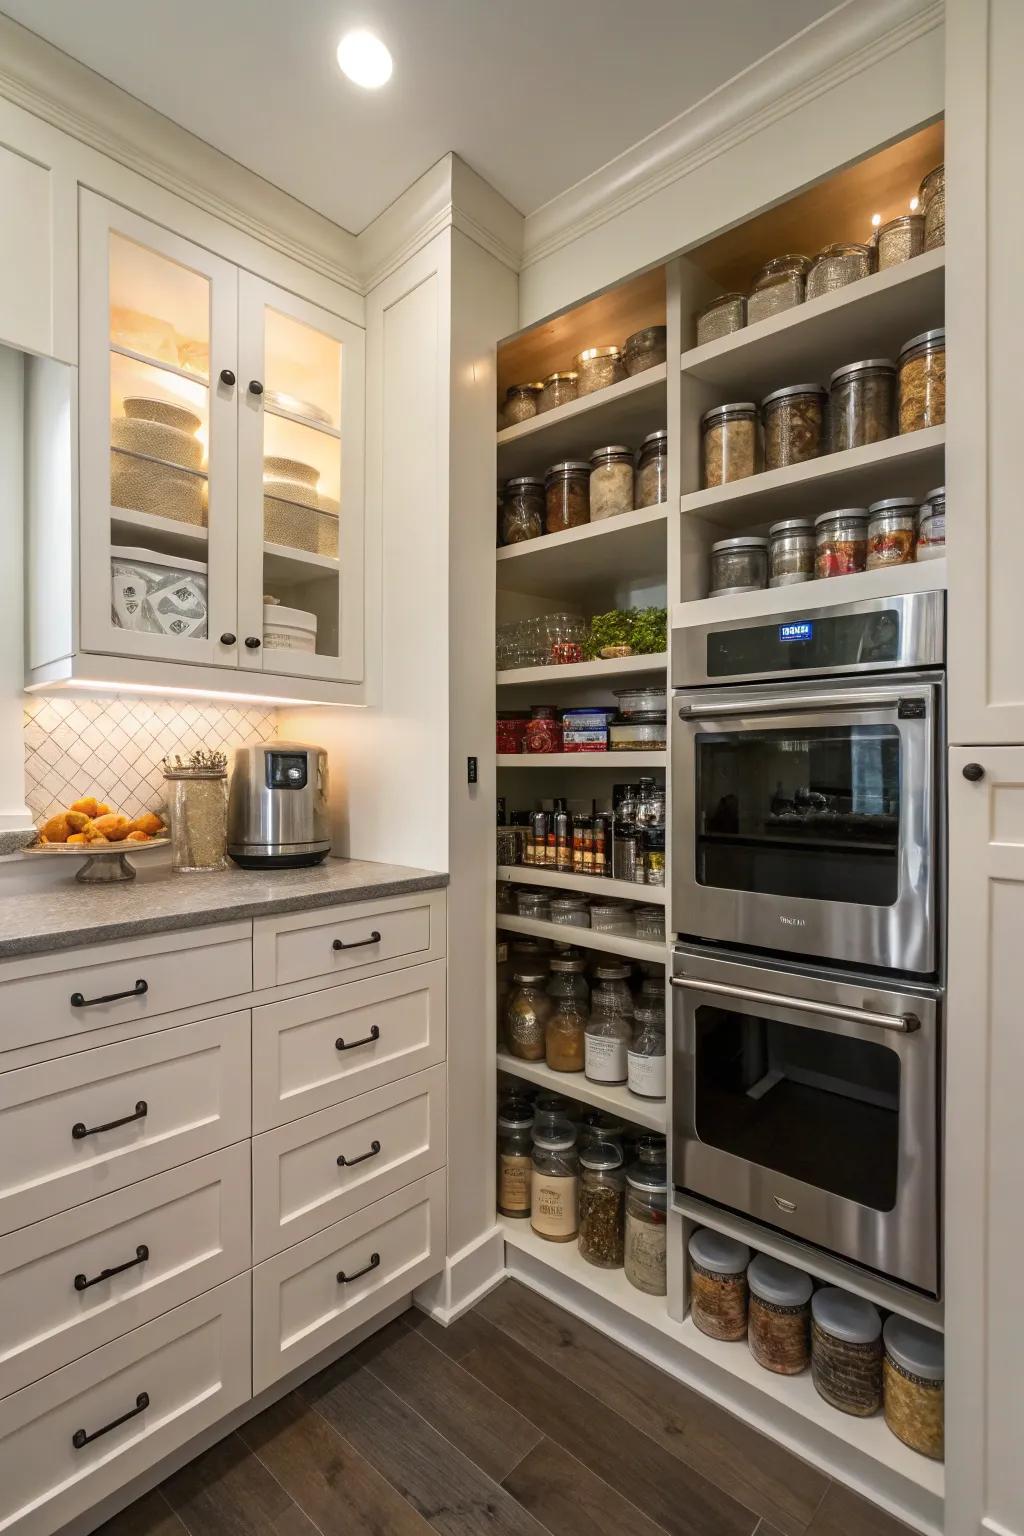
<point x="467" y="1277"/>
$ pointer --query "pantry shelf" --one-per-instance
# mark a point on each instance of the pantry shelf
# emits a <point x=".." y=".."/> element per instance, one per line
<point x="587" y="938"/>
<point x="283" y="564"/>
<point x="581" y="759"/>
<point x="590" y="885"/>
<point x="650" y="1113"/>
<point x="628" y="668"/>
<point x="579" y="560"/>
<point x="795" y="601"/>
<point x="622" y="413"/>
<point x="165" y="535"/>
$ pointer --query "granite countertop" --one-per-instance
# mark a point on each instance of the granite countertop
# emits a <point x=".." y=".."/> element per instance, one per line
<point x="60" y="917"/>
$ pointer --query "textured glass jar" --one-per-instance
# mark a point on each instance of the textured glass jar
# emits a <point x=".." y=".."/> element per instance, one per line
<point x="774" y="295"/>
<point x="718" y="1284"/>
<point x="922" y="392"/>
<point x="571" y="911"/>
<point x="515" y="1158"/>
<point x="554" y="1182"/>
<point x="846" y="1351"/>
<point x="892" y="531"/>
<point x="932" y="194"/>
<point x="721" y="317"/>
<point x="899" y="240"/>
<point x="646" y="1246"/>
<point x="197" y="802"/>
<point x="607" y="1044"/>
<point x="794" y="424"/>
<point x="521" y="403"/>
<point x="790" y="552"/>
<point x="739" y="565"/>
<point x="569" y="977"/>
<point x="567" y="495"/>
<point x="559" y="389"/>
<point x="522" y="509"/>
<point x="529" y="1009"/>
<point x="652" y="469"/>
<point x="597" y="367"/>
<point x="931" y="527"/>
<point x="913" y="1385"/>
<point x="730" y="442"/>
<point x="563" y="1036"/>
<point x="862" y="403"/>
<point x="840" y="542"/>
<point x="602" y="1204"/>
<point x="837" y="265"/>
<point x="645" y="349"/>
<point x="779" y="1316"/>
<point x="611" y="482"/>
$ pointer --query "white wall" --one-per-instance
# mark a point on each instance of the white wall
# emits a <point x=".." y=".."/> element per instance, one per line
<point x="14" y="813"/>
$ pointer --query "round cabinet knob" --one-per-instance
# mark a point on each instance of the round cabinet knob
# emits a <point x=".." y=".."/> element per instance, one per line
<point x="255" y="387"/>
<point x="253" y="643"/>
<point x="227" y="377"/>
<point x="974" y="772"/>
<point x="228" y="638"/>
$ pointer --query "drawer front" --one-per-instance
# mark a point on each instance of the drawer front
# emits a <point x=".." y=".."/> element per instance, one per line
<point x="386" y="1139"/>
<point x="193" y="1366"/>
<point x="388" y="1027"/>
<point x="316" y="947"/>
<point x="192" y="1226"/>
<point x="55" y="996"/>
<point x="177" y="1094"/>
<point x="300" y="1303"/>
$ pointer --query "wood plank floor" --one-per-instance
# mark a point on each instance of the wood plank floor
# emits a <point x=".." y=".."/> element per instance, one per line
<point x="519" y="1420"/>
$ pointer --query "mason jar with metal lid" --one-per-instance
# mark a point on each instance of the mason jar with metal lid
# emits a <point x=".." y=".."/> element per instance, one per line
<point x="597" y="367"/>
<point x="652" y="469"/>
<point x="730" y="442"/>
<point x="892" y="529"/>
<point x="721" y="317"/>
<point x="521" y="403"/>
<point x="862" y="403"/>
<point x="567" y="495"/>
<point x="835" y="266"/>
<point x="794" y="424"/>
<point x="922" y="391"/>
<point x="900" y="239"/>
<point x="739" y="565"/>
<point x="932" y="194"/>
<point x="559" y="389"/>
<point x="841" y="541"/>
<point x="931" y="526"/>
<point x="790" y="552"/>
<point x="522" y="509"/>
<point x="611" y="481"/>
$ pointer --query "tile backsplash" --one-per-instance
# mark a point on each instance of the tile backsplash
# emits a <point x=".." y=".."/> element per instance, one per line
<point x="113" y="747"/>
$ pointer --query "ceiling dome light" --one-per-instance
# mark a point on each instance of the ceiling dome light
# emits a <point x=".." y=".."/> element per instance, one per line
<point x="365" y="60"/>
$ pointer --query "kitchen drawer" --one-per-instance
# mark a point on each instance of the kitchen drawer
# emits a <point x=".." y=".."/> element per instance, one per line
<point x="316" y="947"/>
<point x="144" y="1105"/>
<point x="313" y="1051"/>
<point x="301" y="1305"/>
<point x="192" y="1365"/>
<point x="192" y="1223"/>
<point x="49" y="997"/>
<point x="392" y="1136"/>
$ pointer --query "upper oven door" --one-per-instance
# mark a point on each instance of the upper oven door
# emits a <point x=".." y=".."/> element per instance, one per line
<point x="805" y="820"/>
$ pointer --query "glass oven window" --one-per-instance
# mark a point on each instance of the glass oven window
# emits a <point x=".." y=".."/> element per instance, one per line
<point x="816" y="1106"/>
<point x="811" y="813"/>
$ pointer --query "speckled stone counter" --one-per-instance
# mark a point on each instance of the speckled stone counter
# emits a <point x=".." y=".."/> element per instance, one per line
<point x="39" y="922"/>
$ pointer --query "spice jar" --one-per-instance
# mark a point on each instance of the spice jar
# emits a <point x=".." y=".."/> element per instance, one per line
<point x="563" y="1036"/>
<point x="646" y="1246"/>
<point x="846" y="1351"/>
<point x="862" y="403"/>
<point x="718" y="1284"/>
<point x="559" y="389"/>
<point x="645" y="349"/>
<point x="900" y="239"/>
<point x="522" y="509"/>
<point x="646" y="1057"/>
<point x="892" y="527"/>
<point x="515" y="1158"/>
<point x="922" y="366"/>
<point x="790" y="552"/>
<point x="529" y="1009"/>
<point x="932" y="195"/>
<point x="609" y="1031"/>
<point x="837" y="265"/>
<point x="543" y="729"/>
<point x="730" y="442"/>
<point x="554" y="1182"/>
<point x="602" y="1204"/>
<point x="521" y="402"/>
<point x="652" y="470"/>
<point x="739" y="565"/>
<point x="197" y="803"/>
<point x="567" y="495"/>
<point x="841" y="541"/>
<point x="611" y="482"/>
<point x="913" y="1385"/>
<point x="721" y="317"/>
<point x="597" y="367"/>
<point x="931" y="527"/>
<point x="779" y="1319"/>
<point x="794" y="424"/>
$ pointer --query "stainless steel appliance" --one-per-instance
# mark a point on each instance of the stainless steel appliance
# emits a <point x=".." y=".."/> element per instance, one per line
<point x="809" y="1099"/>
<point x="277" y="806"/>
<point x="807" y="798"/>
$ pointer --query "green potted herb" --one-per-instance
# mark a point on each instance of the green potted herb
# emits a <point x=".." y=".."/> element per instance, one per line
<point x="610" y="635"/>
<point x="648" y="633"/>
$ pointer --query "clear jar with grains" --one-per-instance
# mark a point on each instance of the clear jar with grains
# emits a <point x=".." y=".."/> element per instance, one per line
<point x="862" y="403"/>
<point x="645" y="349"/>
<point x="611" y="481"/>
<point x="899" y="240"/>
<point x="922" y="391"/>
<point x="846" y="1351"/>
<point x="515" y="1158"/>
<point x="529" y="1009"/>
<point x="522" y="509"/>
<point x="652" y="469"/>
<point x="932" y="194"/>
<point x="931" y="527"/>
<point x="521" y="403"/>
<point x="646" y="1075"/>
<point x="730" y="442"/>
<point x="718" y="1284"/>
<point x="892" y="531"/>
<point x="602" y="1204"/>
<point x="778" y="285"/>
<point x="794" y="424"/>
<point x="913" y="1385"/>
<point x="567" y="495"/>
<point x="646" y="1245"/>
<point x="841" y="542"/>
<point x="790" y="552"/>
<point x="739" y="565"/>
<point x="837" y="265"/>
<point x="721" y="317"/>
<point x="197" y="804"/>
<point x="564" y="1034"/>
<point x="559" y="389"/>
<point x="554" y="1182"/>
<point x="597" y="367"/>
<point x="779" y="1316"/>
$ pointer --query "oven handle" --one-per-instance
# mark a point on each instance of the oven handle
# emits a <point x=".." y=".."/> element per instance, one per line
<point x="783" y="704"/>
<point x="903" y="1023"/>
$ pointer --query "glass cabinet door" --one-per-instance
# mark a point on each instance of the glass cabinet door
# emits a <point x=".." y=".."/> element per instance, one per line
<point x="300" y="487"/>
<point x="157" y="430"/>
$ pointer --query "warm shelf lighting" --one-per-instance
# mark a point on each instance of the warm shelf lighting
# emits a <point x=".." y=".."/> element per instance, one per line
<point x="876" y="219"/>
<point x="365" y="60"/>
<point x="914" y="204"/>
<point x="90" y="685"/>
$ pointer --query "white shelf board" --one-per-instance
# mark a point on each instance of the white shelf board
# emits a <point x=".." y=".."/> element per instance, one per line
<point x="627" y="670"/>
<point x="782" y="602"/>
<point x="900" y="466"/>
<point x="323" y="427"/>
<point x="622" y="413"/>
<point x="650" y="1113"/>
<point x="573" y="562"/>
<point x="291" y="565"/>
<point x="165" y="535"/>
<point x="870" y="318"/>
<point x="586" y="938"/>
<point x="591" y="885"/>
<point x="581" y="759"/>
<point x="198" y="379"/>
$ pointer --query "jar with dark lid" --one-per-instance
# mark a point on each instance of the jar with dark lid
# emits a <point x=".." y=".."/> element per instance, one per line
<point x="598" y="1125"/>
<point x="931" y="526"/>
<point x="862" y="403"/>
<point x="922" y="365"/>
<point x="835" y="266"/>
<point x="515" y="1158"/>
<point x="521" y="402"/>
<point x="794" y="424"/>
<point x="602" y="1204"/>
<point x="522" y="509"/>
<point x="790" y="552"/>
<point x="739" y="565"/>
<point x="652" y="469"/>
<point x="718" y="1284"/>
<point x="645" y="349"/>
<point x="559" y="389"/>
<point x="554" y="1182"/>
<point x="567" y="495"/>
<point x="846" y="1351"/>
<point x="646" y="1245"/>
<point x="597" y="367"/>
<point x="611" y="481"/>
<point x="932" y="194"/>
<point x="529" y="1009"/>
<point x="914" y="1386"/>
<point x="551" y="1110"/>
<point x="892" y="530"/>
<point x="899" y="240"/>
<point x="730" y="442"/>
<point x="841" y="541"/>
<point x="779" y="1319"/>
<point x="721" y="317"/>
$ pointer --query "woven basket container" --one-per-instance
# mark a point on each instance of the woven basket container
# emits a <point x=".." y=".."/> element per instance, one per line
<point x="285" y="522"/>
<point x="143" y="485"/>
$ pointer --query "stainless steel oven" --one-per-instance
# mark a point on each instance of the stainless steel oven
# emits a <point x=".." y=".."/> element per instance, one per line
<point x="807" y="807"/>
<point x="809" y="1099"/>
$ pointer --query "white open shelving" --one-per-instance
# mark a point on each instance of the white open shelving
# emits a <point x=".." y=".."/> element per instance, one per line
<point x="622" y="413"/>
<point x="165" y="535"/>
<point x="590" y="885"/>
<point x="780" y="602"/>
<point x="581" y="759"/>
<point x="627" y="671"/>
<point x="577" y="561"/>
<point x="650" y="1113"/>
<point x="587" y="938"/>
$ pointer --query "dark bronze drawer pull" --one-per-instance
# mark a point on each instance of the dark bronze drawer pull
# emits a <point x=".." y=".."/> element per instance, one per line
<point x="78" y="1130"/>
<point x="141" y="1255"/>
<point x="350" y="1162"/>
<point x="344" y="1279"/>
<point x="359" y="943"/>
<point x="339" y="1044"/>
<point x="139" y="990"/>
<point x="80" y="1438"/>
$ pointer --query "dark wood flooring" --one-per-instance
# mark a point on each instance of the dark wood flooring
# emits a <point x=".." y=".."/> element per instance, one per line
<point x="519" y="1420"/>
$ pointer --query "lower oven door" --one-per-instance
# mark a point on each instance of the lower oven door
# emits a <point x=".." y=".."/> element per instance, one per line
<point x="811" y="1102"/>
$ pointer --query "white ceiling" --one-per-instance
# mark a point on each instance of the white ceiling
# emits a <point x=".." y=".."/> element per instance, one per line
<point x="534" y="94"/>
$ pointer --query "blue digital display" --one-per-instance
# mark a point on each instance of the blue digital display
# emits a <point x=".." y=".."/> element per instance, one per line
<point x="803" y="629"/>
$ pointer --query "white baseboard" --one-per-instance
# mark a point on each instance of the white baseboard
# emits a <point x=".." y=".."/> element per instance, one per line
<point x="466" y="1278"/>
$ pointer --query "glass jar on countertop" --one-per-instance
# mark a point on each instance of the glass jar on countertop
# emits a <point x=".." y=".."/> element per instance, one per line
<point x="790" y="552"/>
<point x="840" y="541"/>
<point x="739" y="565"/>
<point x="563" y="1035"/>
<point x="197" y="805"/>
<point x="718" y="1284"/>
<point x="521" y="401"/>
<point x="559" y="389"/>
<point x="602" y="1204"/>
<point x="529" y="1009"/>
<point x="554" y="1182"/>
<point x="794" y="424"/>
<point x="837" y="265"/>
<point x="892" y="531"/>
<point x="862" y="403"/>
<point x="645" y="349"/>
<point x="846" y="1351"/>
<point x="899" y="240"/>
<point x="931" y="526"/>
<point x="522" y="509"/>
<point x="922" y="385"/>
<point x="779" y="1315"/>
<point x="597" y="367"/>
<point x="932" y="195"/>
<point x="515" y="1158"/>
<point x="567" y="495"/>
<point x="721" y="317"/>
<point x="652" y="469"/>
<point x="646" y="1238"/>
<point x="611" y="481"/>
<point x="730" y="442"/>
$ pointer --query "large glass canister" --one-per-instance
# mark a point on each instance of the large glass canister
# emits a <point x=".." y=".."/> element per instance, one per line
<point x="197" y="799"/>
<point x="862" y="403"/>
<point x="922" y="388"/>
<point x="730" y="442"/>
<point x="794" y="424"/>
<point x="932" y="193"/>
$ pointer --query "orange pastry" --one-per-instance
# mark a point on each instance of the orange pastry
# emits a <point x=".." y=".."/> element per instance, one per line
<point x="77" y="837"/>
<point x="149" y="822"/>
<point x="114" y="827"/>
<point x="89" y="804"/>
<point x="77" y="820"/>
<point x="94" y="834"/>
<point x="56" y="830"/>
<point x="138" y="836"/>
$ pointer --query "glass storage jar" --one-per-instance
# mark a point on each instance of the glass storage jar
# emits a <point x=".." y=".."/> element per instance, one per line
<point x="718" y="1284"/>
<point x="521" y="401"/>
<point x="597" y="367"/>
<point x="197" y="805"/>
<point x="899" y="240"/>
<point x="611" y="993"/>
<point x="739" y="565"/>
<point x="563" y="1036"/>
<point x="638" y="733"/>
<point x="922" y="367"/>
<point x="611" y="482"/>
<point x="841" y="541"/>
<point x="530" y="955"/>
<point x="607" y="1044"/>
<point x="779" y="1317"/>
<point x="721" y="317"/>
<point x="559" y="389"/>
<point x="645" y="349"/>
<point x="862" y="403"/>
<point x="551" y="1111"/>
<point x="646" y="1246"/>
<point x="892" y="528"/>
<point x="602" y="1204"/>
<point x="790" y="552"/>
<point x="554" y="1182"/>
<point x="913" y="1385"/>
<point x="641" y="701"/>
<point x="794" y="424"/>
<point x="543" y="729"/>
<point x="931" y="527"/>
<point x="835" y="266"/>
<point x="729" y="434"/>
<point x="522" y="509"/>
<point x="646" y="1057"/>
<point x="515" y="1158"/>
<point x="774" y="295"/>
<point x="529" y="1009"/>
<point x="846" y="1351"/>
<point x="650" y="924"/>
<point x="612" y="917"/>
<point x="932" y="195"/>
<point x="567" y="495"/>
<point x="597" y="1125"/>
<point x="652" y="469"/>
<point x="571" y="911"/>
<point x="568" y="977"/>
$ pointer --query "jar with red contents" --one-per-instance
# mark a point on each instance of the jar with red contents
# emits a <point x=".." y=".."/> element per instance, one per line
<point x="544" y="729"/>
<point x="510" y="732"/>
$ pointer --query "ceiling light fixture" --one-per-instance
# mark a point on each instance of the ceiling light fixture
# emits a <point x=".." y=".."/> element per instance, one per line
<point x="365" y="60"/>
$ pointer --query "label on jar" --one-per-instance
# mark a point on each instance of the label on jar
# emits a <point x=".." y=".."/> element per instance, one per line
<point x="647" y="1075"/>
<point x="514" y="1183"/>
<point x="645" y="1255"/>
<point x="554" y="1210"/>
<point x="605" y="1059"/>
